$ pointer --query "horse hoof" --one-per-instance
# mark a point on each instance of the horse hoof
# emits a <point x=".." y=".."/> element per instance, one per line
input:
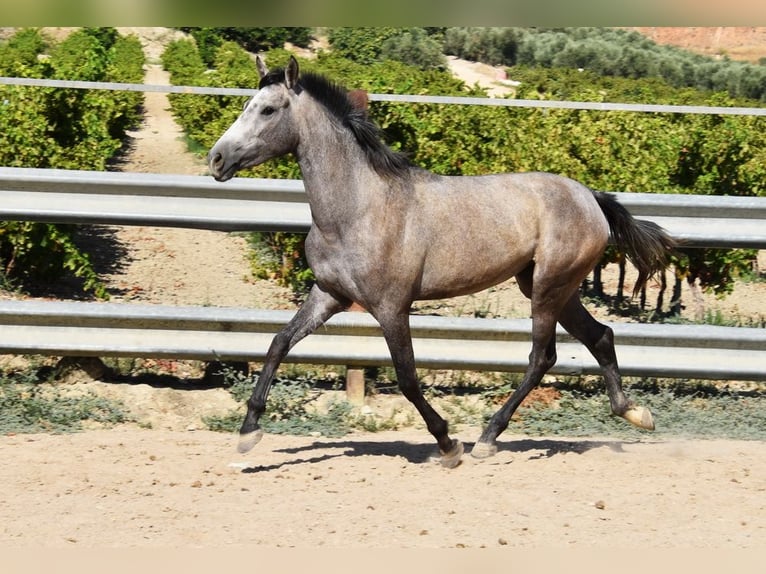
<point x="640" y="417"/>
<point x="248" y="440"/>
<point x="483" y="449"/>
<point x="451" y="458"/>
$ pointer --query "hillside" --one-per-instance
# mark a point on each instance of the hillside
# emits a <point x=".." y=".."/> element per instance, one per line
<point x="745" y="43"/>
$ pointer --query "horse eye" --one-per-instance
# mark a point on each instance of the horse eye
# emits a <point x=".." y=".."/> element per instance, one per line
<point x="268" y="110"/>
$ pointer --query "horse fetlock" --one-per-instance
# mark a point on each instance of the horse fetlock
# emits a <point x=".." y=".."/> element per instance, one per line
<point x="640" y="417"/>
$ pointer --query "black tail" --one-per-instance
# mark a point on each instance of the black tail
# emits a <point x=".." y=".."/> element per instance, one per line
<point x="647" y="245"/>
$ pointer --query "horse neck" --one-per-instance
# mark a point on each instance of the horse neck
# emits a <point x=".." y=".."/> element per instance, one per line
<point x="338" y="179"/>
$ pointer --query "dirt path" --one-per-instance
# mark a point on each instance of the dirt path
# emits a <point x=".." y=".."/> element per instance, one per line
<point x="136" y="488"/>
<point x="180" y="266"/>
<point x="492" y="78"/>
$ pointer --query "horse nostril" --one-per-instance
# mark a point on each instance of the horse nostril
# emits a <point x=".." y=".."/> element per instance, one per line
<point x="217" y="160"/>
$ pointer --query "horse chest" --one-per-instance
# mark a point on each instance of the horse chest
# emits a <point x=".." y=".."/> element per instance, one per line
<point x="355" y="265"/>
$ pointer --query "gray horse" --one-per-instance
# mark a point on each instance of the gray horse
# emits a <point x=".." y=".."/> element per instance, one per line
<point x="385" y="233"/>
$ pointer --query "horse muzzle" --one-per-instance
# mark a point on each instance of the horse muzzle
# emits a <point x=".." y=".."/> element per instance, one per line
<point x="218" y="167"/>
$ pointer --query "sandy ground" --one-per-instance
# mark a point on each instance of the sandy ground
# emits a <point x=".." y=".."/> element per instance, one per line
<point x="177" y="486"/>
<point x="138" y="488"/>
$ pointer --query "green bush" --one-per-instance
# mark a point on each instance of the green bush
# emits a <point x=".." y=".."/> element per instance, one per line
<point x="419" y="47"/>
<point x="415" y="48"/>
<point x="125" y="65"/>
<point x="182" y="59"/>
<point x="291" y="408"/>
<point x="494" y="46"/>
<point x="20" y="53"/>
<point x="281" y="256"/>
<point x="62" y="128"/>
<point x="28" y="406"/>
<point x="106" y="36"/>
<point x="208" y="40"/>
<point x="43" y="252"/>
<point x="362" y="45"/>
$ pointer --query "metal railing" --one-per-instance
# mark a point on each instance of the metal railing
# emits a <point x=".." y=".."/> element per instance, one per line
<point x="354" y="339"/>
<point x="403" y="98"/>
<point x="245" y="204"/>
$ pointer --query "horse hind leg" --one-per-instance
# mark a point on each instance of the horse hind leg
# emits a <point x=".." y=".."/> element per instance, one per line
<point x="550" y="296"/>
<point x="599" y="339"/>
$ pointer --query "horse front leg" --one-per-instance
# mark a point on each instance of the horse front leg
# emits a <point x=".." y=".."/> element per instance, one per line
<point x="396" y="331"/>
<point x="318" y="308"/>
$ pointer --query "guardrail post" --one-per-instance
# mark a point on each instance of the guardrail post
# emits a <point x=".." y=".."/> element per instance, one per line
<point x="355" y="375"/>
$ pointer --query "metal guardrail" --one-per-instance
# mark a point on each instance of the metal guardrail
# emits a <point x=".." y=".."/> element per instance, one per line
<point x="405" y="98"/>
<point x="355" y="339"/>
<point x="74" y="196"/>
<point x="245" y="204"/>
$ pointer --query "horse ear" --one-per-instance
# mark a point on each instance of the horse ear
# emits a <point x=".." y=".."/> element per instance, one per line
<point x="291" y="73"/>
<point x="359" y="100"/>
<point x="262" y="69"/>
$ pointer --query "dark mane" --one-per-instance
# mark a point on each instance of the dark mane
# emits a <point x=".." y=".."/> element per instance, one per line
<point x="384" y="160"/>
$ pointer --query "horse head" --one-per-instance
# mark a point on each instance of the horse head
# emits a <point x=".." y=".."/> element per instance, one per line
<point x="266" y="127"/>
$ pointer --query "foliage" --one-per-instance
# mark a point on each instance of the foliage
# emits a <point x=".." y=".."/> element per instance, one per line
<point x="362" y="45"/>
<point x="606" y="52"/>
<point x="715" y="270"/>
<point x="419" y="47"/>
<point x="42" y="252"/>
<point x="125" y="62"/>
<point x="689" y="409"/>
<point x="62" y="128"/>
<point x="182" y="59"/>
<point x="489" y="45"/>
<point x="106" y="36"/>
<point x="722" y="155"/>
<point x="208" y="40"/>
<point x="415" y="48"/>
<point x="281" y="256"/>
<point x="21" y="51"/>
<point x="291" y="408"/>
<point x="27" y="406"/>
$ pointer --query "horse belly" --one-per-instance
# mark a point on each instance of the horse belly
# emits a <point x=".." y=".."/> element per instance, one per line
<point x="477" y="243"/>
<point x="470" y="267"/>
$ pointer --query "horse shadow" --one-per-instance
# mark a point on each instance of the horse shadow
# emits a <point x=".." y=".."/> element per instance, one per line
<point x="427" y="453"/>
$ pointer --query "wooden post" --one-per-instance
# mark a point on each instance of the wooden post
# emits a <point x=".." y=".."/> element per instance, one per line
<point x="355" y="375"/>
